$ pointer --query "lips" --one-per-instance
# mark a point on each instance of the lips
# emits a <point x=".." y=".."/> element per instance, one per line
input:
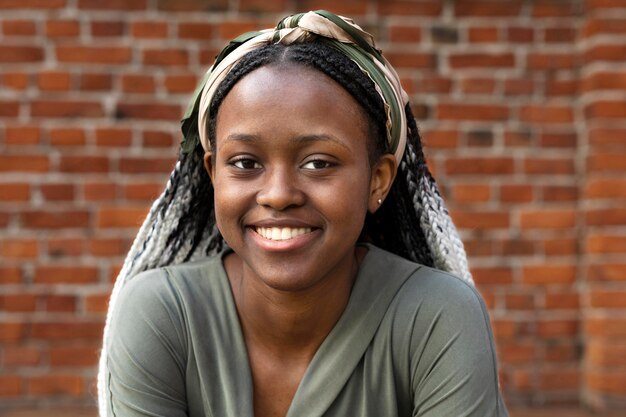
<point x="282" y="233"/>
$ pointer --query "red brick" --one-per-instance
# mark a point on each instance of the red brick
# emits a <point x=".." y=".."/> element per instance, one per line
<point x="24" y="163"/>
<point x="138" y="83"/>
<point x="561" y="353"/>
<point x="471" y="193"/>
<point x="47" y="385"/>
<point x="441" y="139"/>
<point x="518" y="34"/>
<point x="114" y="137"/>
<point x="75" y="356"/>
<point x="62" y="28"/>
<point x="33" y="4"/>
<point x="190" y="5"/>
<point x="481" y="220"/>
<point x="67" y="137"/>
<point x="562" y="301"/>
<point x="607" y="298"/>
<point x="558" y="140"/>
<point x="22" y="135"/>
<point x="551" y="61"/>
<point x="60" y="303"/>
<point x="94" y="191"/>
<point x="476" y="112"/>
<point x="605" y="244"/>
<point x="15" y="80"/>
<point x="15" y="356"/>
<point x="107" y="247"/>
<point x="482" y="60"/>
<point x="97" y="303"/>
<point x="546" y="114"/>
<point x="66" y="108"/>
<point x="549" y="166"/>
<point x="609" y="188"/>
<point x="547" y="219"/>
<point x="553" y="328"/>
<point x="403" y="7"/>
<point x="65" y="246"/>
<point x="412" y="60"/>
<point x="504" y="329"/>
<point x="13" y="192"/>
<point x="558" y="380"/>
<point x="67" y="331"/>
<point x="562" y="87"/>
<point x="95" y="82"/>
<point x="560" y="246"/>
<point x="20" y="54"/>
<point x="149" y="29"/>
<point x="93" y="54"/>
<point x="143" y="191"/>
<point x="606" y="217"/>
<point x="12" y="331"/>
<point x="433" y="83"/>
<point x="495" y="165"/>
<point x="606" y="162"/>
<point x="559" y="193"/>
<point x="183" y="83"/>
<point x="477" y="85"/>
<point x="492" y="276"/>
<point x="518" y="246"/>
<point x="262" y="6"/>
<point x="522" y="138"/>
<point x="140" y="165"/>
<point x="524" y="302"/>
<point x="21" y="302"/>
<point x="486" y="8"/>
<point x="10" y="275"/>
<point x="605" y="326"/>
<point x="84" y="163"/>
<point x="560" y="35"/>
<point x="57" y="192"/>
<point x="148" y="111"/>
<point x="405" y="34"/>
<point x="606" y="354"/>
<point x="19" y="28"/>
<point x="596" y="26"/>
<point x="548" y="274"/>
<point x="107" y="28"/>
<point x="606" y="109"/>
<point x="606" y="136"/>
<point x="9" y="108"/>
<point x="609" y="53"/>
<point x="483" y="34"/>
<point x="516" y="193"/>
<point x="121" y="217"/>
<point x="126" y="5"/>
<point x="195" y="30"/>
<point x="478" y="247"/>
<point x="604" y="80"/>
<point x="65" y="274"/>
<point x="19" y="248"/>
<point x="10" y="386"/>
<point x="48" y="219"/>
<point x="607" y="382"/>
<point x="551" y="8"/>
<point x="166" y="57"/>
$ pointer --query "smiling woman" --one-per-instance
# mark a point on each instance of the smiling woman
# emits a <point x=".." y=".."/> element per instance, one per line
<point x="300" y="261"/>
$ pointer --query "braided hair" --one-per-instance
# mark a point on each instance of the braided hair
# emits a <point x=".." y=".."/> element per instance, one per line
<point x="181" y="224"/>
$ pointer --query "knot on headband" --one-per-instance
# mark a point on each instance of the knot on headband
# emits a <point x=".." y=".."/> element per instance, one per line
<point x="319" y="26"/>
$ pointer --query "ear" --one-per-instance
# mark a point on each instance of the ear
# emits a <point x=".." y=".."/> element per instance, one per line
<point x="383" y="174"/>
<point x="209" y="165"/>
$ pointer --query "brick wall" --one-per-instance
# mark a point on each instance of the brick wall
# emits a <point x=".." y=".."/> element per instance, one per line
<point x="522" y="105"/>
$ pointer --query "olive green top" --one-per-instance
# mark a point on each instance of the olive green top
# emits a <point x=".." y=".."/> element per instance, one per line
<point x="412" y="341"/>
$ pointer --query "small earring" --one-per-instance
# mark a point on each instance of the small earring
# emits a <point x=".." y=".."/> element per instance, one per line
<point x="380" y="201"/>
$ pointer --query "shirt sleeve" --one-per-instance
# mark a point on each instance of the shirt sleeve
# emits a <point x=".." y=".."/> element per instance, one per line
<point x="146" y="350"/>
<point x="453" y="364"/>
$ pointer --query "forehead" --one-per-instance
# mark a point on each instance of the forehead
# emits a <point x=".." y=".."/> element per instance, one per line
<point x="293" y="91"/>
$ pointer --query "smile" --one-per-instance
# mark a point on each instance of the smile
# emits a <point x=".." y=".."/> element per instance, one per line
<point x="282" y="233"/>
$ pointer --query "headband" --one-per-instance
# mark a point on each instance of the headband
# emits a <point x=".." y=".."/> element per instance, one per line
<point x="320" y="26"/>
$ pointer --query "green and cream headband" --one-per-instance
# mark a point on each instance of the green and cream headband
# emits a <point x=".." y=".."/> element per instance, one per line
<point x="319" y="26"/>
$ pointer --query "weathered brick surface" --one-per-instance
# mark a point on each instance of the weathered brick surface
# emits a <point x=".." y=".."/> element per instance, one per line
<point x="520" y="104"/>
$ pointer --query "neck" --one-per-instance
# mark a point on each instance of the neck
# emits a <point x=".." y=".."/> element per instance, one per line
<point x="288" y="324"/>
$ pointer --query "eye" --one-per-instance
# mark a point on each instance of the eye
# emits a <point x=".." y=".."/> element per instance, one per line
<point x="246" y="163"/>
<point x="317" y="164"/>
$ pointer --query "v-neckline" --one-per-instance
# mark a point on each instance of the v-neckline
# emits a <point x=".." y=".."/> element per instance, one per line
<point x="341" y="350"/>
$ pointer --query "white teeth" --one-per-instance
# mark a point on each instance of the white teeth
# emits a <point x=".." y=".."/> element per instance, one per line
<point x="282" y="233"/>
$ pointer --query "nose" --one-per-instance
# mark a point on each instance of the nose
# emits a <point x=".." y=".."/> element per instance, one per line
<point x="280" y="189"/>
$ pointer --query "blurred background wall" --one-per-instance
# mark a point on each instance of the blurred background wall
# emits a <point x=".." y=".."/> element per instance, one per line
<point x="522" y="106"/>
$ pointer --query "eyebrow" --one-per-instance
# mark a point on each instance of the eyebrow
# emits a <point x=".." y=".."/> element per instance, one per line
<point x="244" y="137"/>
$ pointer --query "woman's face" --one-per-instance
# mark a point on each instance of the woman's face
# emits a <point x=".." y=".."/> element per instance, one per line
<point x="291" y="176"/>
